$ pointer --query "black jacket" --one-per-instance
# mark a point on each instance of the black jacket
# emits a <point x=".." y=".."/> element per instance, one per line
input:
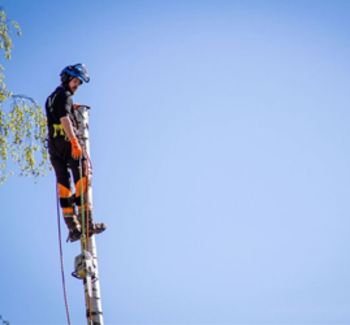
<point x="58" y="105"/>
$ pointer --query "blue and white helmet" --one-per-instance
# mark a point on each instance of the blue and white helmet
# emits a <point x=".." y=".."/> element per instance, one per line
<point x="77" y="70"/>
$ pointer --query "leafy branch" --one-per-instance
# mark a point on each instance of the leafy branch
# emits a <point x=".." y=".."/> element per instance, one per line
<point x="22" y="121"/>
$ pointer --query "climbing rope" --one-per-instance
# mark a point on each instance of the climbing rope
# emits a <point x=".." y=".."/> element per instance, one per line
<point x="84" y="214"/>
<point x="61" y="258"/>
<point x="85" y="240"/>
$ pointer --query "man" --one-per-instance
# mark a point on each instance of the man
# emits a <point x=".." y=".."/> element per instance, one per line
<point x="66" y="152"/>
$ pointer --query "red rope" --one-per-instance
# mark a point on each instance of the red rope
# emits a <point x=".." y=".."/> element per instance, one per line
<point x="61" y="259"/>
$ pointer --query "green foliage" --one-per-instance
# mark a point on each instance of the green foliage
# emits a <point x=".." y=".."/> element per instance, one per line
<point x="22" y="121"/>
<point x="5" y="28"/>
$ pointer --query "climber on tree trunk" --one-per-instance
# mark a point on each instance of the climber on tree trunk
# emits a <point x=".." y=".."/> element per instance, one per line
<point x="66" y="153"/>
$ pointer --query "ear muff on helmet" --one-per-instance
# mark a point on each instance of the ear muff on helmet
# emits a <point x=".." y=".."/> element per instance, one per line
<point x="65" y="75"/>
<point x="78" y="70"/>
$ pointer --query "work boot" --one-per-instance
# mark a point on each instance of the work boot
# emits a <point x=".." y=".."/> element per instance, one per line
<point x="97" y="228"/>
<point x="94" y="228"/>
<point x="74" y="227"/>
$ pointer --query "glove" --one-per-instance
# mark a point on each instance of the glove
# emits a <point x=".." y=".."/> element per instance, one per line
<point x="76" y="149"/>
<point x="76" y="106"/>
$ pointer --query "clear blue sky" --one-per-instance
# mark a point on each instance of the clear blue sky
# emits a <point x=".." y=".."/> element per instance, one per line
<point x="220" y="146"/>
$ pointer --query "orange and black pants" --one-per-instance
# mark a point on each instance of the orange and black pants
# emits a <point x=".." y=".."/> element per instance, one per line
<point x="66" y="167"/>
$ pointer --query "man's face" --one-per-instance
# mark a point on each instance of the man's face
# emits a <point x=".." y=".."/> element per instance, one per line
<point x="74" y="84"/>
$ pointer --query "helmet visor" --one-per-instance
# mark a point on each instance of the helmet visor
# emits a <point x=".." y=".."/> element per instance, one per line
<point x="81" y="72"/>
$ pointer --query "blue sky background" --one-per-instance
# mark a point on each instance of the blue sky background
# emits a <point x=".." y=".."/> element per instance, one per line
<point x="220" y="146"/>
